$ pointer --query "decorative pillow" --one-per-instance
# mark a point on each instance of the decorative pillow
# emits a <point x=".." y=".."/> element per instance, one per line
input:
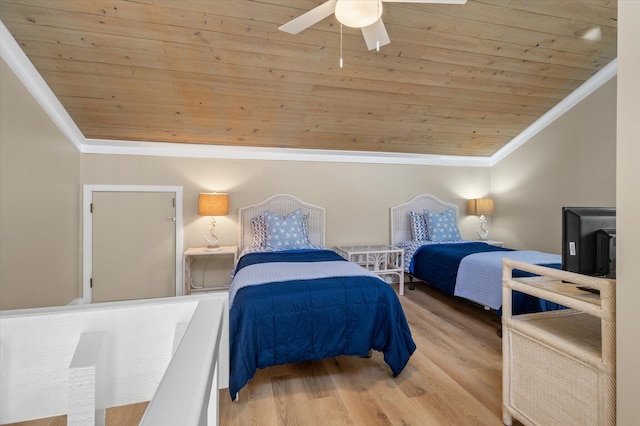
<point x="259" y="230"/>
<point x="259" y="227"/>
<point x="305" y="227"/>
<point x="419" y="230"/>
<point x="442" y="226"/>
<point x="286" y="232"/>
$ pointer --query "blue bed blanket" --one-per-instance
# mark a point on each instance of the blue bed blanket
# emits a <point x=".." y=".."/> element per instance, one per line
<point x="480" y="274"/>
<point x="439" y="265"/>
<point x="311" y="319"/>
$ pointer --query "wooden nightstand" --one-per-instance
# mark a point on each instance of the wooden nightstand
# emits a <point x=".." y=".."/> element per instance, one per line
<point x="190" y="254"/>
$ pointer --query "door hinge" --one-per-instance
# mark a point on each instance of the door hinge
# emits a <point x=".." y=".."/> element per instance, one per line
<point x="91" y="208"/>
<point x="174" y="202"/>
<point x="90" y="282"/>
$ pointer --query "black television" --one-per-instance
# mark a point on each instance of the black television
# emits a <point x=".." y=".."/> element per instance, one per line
<point x="589" y="240"/>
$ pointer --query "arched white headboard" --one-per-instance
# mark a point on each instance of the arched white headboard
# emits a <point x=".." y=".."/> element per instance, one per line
<point x="400" y="221"/>
<point x="281" y="204"/>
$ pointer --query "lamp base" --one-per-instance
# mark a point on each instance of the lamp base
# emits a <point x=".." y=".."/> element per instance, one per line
<point x="483" y="234"/>
<point x="212" y="248"/>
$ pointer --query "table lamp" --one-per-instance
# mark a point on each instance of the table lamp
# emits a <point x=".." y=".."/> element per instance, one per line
<point x="481" y="206"/>
<point x="213" y="204"/>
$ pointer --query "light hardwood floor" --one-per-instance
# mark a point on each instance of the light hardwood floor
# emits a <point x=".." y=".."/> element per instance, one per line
<point x="453" y="378"/>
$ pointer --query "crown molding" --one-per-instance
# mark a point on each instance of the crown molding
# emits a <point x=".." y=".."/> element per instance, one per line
<point x="585" y="89"/>
<point x="101" y="146"/>
<point x="18" y="61"/>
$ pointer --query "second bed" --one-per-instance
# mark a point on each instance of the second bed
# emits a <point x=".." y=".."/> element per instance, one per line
<point x="468" y="269"/>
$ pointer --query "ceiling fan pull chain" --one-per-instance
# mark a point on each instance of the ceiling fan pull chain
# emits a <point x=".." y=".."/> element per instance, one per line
<point x="340" y="45"/>
<point x="378" y="27"/>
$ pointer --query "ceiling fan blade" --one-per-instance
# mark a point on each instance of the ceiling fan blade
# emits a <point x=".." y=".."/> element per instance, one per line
<point x="309" y="18"/>
<point x="375" y="33"/>
<point x="427" y="1"/>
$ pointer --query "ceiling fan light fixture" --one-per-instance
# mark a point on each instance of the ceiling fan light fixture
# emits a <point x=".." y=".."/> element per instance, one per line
<point x="358" y="13"/>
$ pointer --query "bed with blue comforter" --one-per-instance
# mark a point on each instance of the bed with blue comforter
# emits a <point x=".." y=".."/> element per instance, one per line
<point x="300" y="305"/>
<point x="473" y="270"/>
<point x="426" y="228"/>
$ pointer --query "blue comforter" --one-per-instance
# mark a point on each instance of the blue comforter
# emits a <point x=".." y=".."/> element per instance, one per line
<point x="289" y="321"/>
<point x="437" y="264"/>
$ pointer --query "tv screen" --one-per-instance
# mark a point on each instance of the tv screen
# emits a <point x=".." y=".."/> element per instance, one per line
<point x="582" y="243"/>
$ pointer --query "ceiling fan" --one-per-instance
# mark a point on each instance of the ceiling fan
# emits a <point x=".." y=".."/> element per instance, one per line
<point x="363" y="14"/>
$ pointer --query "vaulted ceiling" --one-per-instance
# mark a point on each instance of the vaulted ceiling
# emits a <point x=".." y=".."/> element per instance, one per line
<point x="454" y="80"/>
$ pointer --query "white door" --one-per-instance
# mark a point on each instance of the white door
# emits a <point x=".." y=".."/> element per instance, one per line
<point x="134" y="245"/>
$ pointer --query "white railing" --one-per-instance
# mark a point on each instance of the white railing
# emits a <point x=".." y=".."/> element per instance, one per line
<point x="78" y="360"/>
<point x="185" y="395"/>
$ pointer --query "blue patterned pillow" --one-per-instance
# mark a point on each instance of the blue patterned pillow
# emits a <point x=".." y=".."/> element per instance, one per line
<point x="419" y="230"/>
<point x="259" y="227"/>
<point x="442" y="226"/>
<point x="305" y="227"/>
<point x="286" y="232"/>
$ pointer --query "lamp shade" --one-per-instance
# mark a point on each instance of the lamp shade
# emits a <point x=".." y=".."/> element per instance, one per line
<point x="480" y="206"/>
<point x="213" y="204"/>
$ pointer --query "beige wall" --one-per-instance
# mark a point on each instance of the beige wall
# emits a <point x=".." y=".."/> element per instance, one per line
<point x="39" y="208"/>
<point x="628" y="219"/>
<point x="572" y="162"/>
<point x="357" y="196"/>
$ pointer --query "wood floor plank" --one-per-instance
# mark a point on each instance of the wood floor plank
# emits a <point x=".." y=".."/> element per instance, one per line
<point x="315" y="378"/>
<point x="286" y="394"/>
<point x="352" y="376"/>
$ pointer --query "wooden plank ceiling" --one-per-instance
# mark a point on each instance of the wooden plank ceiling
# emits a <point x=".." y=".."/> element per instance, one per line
<point x="455" y="79"/>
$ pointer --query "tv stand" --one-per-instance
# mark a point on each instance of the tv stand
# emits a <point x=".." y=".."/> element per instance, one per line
<point x="559" y="367"/>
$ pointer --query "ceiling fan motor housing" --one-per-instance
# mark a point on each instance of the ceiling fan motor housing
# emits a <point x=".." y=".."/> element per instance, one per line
<point x="358" y="13"/>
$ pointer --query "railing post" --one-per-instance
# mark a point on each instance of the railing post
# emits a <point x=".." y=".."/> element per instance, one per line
<point x="87" y="384"/>
<point x="188" y="392"/>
